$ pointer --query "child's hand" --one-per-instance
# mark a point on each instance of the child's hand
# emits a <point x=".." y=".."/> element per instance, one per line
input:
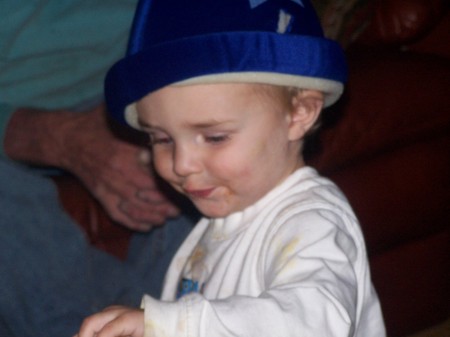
<point x="114" y="321"/>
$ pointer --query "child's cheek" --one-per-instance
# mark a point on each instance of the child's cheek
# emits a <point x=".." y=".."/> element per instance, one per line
<point x="233" y="164"/>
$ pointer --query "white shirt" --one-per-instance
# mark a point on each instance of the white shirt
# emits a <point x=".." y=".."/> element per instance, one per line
<point x="293" y="264"/>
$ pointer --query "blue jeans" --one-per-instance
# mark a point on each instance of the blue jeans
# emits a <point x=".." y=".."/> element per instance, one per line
<point x="50" y="277"/>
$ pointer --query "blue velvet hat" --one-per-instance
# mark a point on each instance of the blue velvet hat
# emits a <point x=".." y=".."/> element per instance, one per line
<point x="181" y="42"/>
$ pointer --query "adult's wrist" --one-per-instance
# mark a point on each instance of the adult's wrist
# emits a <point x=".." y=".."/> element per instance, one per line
<point x="36" y="136"/>
<point x="6" y="111"/>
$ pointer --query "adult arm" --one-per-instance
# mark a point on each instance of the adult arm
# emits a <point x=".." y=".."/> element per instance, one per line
<point x="116" y="172"/>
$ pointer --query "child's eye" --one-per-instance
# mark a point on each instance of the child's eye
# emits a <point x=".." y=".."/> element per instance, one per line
<point x="159" y="140"/>
<point x="216" y="138"/>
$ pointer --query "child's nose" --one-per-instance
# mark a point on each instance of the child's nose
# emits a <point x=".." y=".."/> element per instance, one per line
<point x="186" y="161"/>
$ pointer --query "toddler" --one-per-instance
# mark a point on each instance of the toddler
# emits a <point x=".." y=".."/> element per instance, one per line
<point x="227" y="90"/>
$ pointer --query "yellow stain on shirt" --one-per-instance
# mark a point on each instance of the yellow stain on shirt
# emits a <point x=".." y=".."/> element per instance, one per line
<point x="197" y="254"/>
<point x="288" y="249"/>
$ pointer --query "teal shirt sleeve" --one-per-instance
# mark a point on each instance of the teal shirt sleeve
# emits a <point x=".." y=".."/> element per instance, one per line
<point x="55" y="54"/>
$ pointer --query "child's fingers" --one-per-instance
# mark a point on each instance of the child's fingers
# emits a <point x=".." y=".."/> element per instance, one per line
<point x="92" y="325"/>
<point x="129" y="323"/>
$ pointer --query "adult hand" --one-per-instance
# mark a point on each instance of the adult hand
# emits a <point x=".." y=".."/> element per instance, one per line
<point x="116" y="172"/>
<point x="114" y="321"/>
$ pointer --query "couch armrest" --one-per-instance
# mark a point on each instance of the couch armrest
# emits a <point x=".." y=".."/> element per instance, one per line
<point x="399" y="22"/>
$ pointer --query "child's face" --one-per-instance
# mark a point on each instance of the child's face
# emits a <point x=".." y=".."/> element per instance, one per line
<point x="222" y="145"/>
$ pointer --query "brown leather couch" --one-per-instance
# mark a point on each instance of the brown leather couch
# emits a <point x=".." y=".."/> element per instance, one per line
<point x="387" y="145"/>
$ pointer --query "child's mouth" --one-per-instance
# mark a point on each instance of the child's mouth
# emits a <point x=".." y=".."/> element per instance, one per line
<point x="203" y="193"/>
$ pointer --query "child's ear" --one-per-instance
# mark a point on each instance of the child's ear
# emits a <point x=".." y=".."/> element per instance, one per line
<point x="306" y="108"/>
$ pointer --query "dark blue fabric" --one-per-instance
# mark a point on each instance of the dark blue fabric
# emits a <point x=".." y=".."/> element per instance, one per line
<point x="174" y="40"/>
<point x="167" y="20"/>
<point x="164" y="64"/>
<point x="50" y="277"/>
